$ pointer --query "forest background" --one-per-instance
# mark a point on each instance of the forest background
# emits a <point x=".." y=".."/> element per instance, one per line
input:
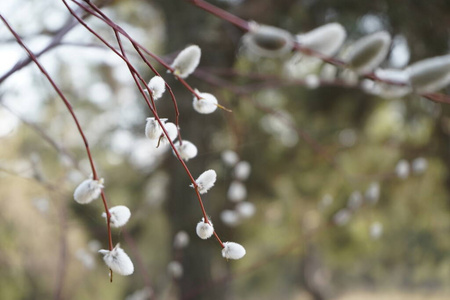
<point x="312" y="151"/>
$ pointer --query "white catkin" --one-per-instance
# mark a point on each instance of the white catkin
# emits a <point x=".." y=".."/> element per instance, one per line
<point x="245" y="209"/>
<point x="175" y="269"/>
<point x="230" y="218"/>
<point x="372" y="194"/>
<point x="206" y="104"/>
<point x="181" y="240"/>
<point x="172" y="131"/>
<point x="233" y="250"/>
<point x="267" y="41"/>
<point x="430" y="75"/>
<point x="120" y="215"/>
<point x="187" y="150"/>
<point x="153" y="130"/>
<point x="204" y="230"/>
<point x="157" y="86"/>
<point x="395" y="75"/>
<point x="118" y="261"/>
<point x="389" y="90"/>
<point x="326" y="39"/>
<point x="355" y="200"/>
<point x="419" y="165"/>
<point x="88" y="191"/>
<point x="206" y="181"/>
<point x="187" y="61"/>
<point x="237" y="191"/>
<point x="342" y="217"/>
<point x="376" y="230"/>
<point x="242" y="170"/>
<point x="229" y="157"/>
<point x="402" y="169"/>
<point x="312" y="81"/>
<point x="368" y="52"/>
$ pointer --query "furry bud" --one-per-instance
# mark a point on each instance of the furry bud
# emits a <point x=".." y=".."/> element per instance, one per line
<point x="88" y="191"/>
<point x="267" y="41"/>
<point x="233" y="250"/>
<point x="206" y="104"/>
<point x="152" y="129"/>
<point x="369" y="52"/>
<point x="430" y="75"/>
<point x="187" y="150"/>
<point x="204" y="230"/>
<point x="118" y="261"/>
<point x="326" y="39"/>
<point x="119" y="215"/>
<point x="187" y="61"/>
<point x="206" y="181"/>
<point x="157" y="87"/>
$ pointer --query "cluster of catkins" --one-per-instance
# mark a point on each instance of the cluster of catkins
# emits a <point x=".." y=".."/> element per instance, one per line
<point x="361" y="57"/>
<point x="237" y="191"/>
<point x="372" y="195"/>
<point x="158" y="129"/>
<point x="354" y="202"/>
<point x="184" y="64"/>
<point x="403" y="168"/>
<point x="116" y="259"/>
<point x="205" y="228"/>
<point x="161" y="131"/>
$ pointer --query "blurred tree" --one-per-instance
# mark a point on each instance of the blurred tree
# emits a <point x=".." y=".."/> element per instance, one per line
<point x="302" y="144"/>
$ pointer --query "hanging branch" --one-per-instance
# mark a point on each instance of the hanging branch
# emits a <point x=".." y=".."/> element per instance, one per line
<point x="80" y="130"/>
<point x="139" y="81"/>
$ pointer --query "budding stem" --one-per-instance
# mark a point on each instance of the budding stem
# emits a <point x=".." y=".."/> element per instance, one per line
<point x="70" y="109"/>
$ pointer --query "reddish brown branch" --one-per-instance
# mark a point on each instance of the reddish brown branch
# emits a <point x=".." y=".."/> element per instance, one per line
<point x="436" y="97"/>
<point x="135" y="44"/>
<point x="241" y="23"/>
<point x="135" y="74"/>
<point x="58" y="91"/>
<point x="70" y="24"/>
<point x="224" y="15"/>
<point x="71" y="111"/>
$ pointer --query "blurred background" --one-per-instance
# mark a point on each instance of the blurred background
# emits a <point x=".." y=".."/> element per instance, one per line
<point x="335" y="193"/>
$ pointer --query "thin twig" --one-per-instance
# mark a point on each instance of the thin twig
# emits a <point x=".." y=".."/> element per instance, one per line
<point x="60" y="149"/>
<point x="243" y="24"/>
<point x="135" y="74"/>
<point x="80" y="130"/>
<point x="56" y="41"/>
